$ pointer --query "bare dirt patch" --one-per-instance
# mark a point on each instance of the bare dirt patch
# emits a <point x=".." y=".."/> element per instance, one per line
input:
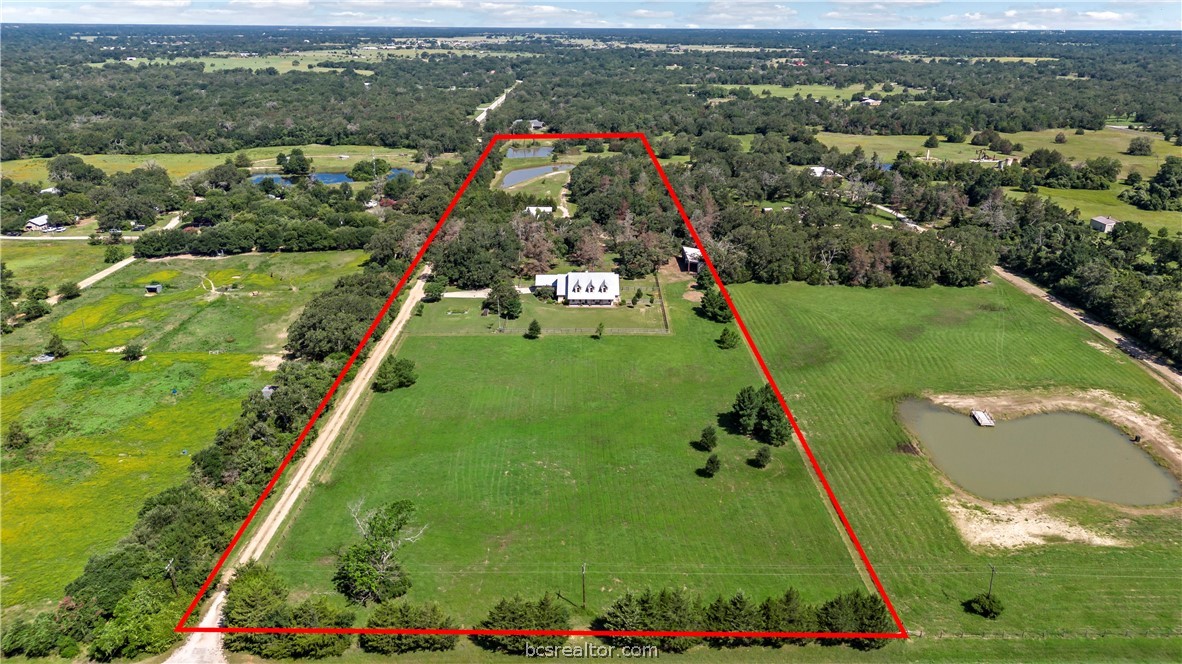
<point x="268" y="362"/>
<point x="693" y="295"/>
<point x="1011" y="526"/>
<point x="1155" y="432"/>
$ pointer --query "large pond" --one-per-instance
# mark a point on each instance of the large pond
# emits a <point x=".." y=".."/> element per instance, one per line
<point x="1039" y="455"/>
<point x="326" y="178"/>
<point x="522" y="153"/>
<point x="521" y="175"/>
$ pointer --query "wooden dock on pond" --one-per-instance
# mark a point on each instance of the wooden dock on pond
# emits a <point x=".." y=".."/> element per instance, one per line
<point x="982" y="418"/>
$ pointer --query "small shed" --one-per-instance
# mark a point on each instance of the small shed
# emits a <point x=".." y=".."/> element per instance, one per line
<point x="154" y="289"/>
<point x="692" y="258"/>
<point x="43" y="359"/>
<point x="1104" y="224"/>
<point x="537" y="125"/>
<point x="269" y="390"/>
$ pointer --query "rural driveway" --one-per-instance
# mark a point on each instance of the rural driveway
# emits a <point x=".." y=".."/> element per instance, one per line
<point x="493" y="106"/>
<point x="482" y="293"/>
<point x="206" y="648"/>
<point x="1157" y="366"/>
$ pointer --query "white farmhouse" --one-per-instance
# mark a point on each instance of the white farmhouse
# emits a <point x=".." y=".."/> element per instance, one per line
<point x="583" y="289"/>
<point x="535" y="210"/>
<point x="38" y="223"/>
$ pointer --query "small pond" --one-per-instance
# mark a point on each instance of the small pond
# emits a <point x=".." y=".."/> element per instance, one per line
<point x="522" y="153"/>
<point x="1067" y="454"/>
<point x="326" y="178"/>
<point x="521" y="175"/>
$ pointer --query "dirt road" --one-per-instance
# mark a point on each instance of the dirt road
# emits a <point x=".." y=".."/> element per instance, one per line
<point x="207" y="648"/>
<point x="493" y="106"/>
<point x="1153" y="362"/>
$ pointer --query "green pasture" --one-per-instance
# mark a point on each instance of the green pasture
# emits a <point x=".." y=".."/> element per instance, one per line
<point x="50" y="263"/>
<point x="1104" y="143"/>
<point x="1096" y="202"/>
<point x="109" y="433"/>
<point x="816" y="91"/>
<point x="844" y="356"/>
<point x="461" y="316"/>
<point x="529" y="458"/>
<point x="327" y="158"/>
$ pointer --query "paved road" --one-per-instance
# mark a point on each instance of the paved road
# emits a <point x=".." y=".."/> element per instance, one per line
<point x="204" y="648"/>
<point x="496" y="102"/>
<point x="1153" y="362"/>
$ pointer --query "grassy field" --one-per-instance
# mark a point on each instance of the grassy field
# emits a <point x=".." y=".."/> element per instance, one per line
<point x="299" y="60"/>
<point x="1105" y="143"/>
<point x="528" y="458"/>
<point x="326" y="159"/>
<point x="844" y="356"/>
<point x="547" y="186"/>
<point x="110" y="433"/>
<point x="461" y="316"/>
<point x="50" y="263"/>
<point x="1095" y="202"/>
<point x="816" y="91"/>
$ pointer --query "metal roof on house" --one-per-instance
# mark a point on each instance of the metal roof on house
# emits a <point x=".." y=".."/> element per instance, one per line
<point x="582" y="285"/>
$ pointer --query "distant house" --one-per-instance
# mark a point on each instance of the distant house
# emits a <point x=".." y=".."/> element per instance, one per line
<point x="50" y="190"/>
<point x="154" y="289"/>
<point x="692" y="258"/>
<point x="535" y="210"/>
<point x="822" y="172"/>
<point x="1104" y="224"/>
<point x="582" y="289"/>
<point x="869" y="101"/>
<point x="38" y="223"/>
<point x="536" y="125"/>
<point x="268" y="390"/>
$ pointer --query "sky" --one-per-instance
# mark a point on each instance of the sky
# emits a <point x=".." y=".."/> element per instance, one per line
<point x="849" y="14"/>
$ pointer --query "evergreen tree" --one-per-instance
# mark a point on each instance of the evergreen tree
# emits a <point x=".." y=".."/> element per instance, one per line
<point x="713" y="465"/>
<point x="403" y="615"/>
<point x="714" y="307"/>
<point x="534" y="331"/>
<point x="855" y="612"/>
<point x="763" y="457"/>
<point x="786" y="614"/>
<point x="932" y="142"/>
<point x="133" y="352"/>
<point x="520" y="614"/>
<point x="56" y="347"/>
<point x="728" y="339"/>
<point x="709" y="439"/>
<point x="985" y="605"/>
<point x="736" y="614"/>
<point x="746" y="409"/>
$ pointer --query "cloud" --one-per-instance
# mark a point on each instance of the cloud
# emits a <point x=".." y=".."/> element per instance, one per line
<point x="273" y="4"/>
<point x="748" y="14"/>
<point x="173" y="4"/>
<point x="648" y="13"/>
<point x="1104" y="16"/>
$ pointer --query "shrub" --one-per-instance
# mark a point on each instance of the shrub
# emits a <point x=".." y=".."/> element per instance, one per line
<point x="599" y="330"/>
<point x="408" y="616"/>
<point x="315" y="612"/>
<point x="534" y="331"/>
<point x="985" y="605"/>
<point x="395" y="372"/>
<point x="34" y="309"/>
<point x="366" y="572"/>
<point x="521" y="614"/>
<point x="1140" y="146"/>
<point x="736" y="614"/>
<point x="713" y="465"/>
<point x="1060" y="137"/>
<point x="256" y="597"/>
<point x="932" y="142"/>
<point x="714" y="307"/>
<point x="37" y="292"/>
<point x="32" y="638"/>
<point x="133" y="352"/>
<point x="56" y="347"/>
<point x="113" y="254"/>
<point x="68" y="290"/>
<point x="142" y="624"/>
<point x="709" y="439"/>
<point x="16" y="438"/>
<point x="763" y="457"/>
<point x="433" y="291"/>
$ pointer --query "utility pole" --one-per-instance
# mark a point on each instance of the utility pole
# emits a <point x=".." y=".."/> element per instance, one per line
<point x="584" y="585"/>
<point x="171" y="575"/>
<point x="992" y="572"/>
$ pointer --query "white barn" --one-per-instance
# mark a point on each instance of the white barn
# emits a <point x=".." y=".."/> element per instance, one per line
<point x="38" y="223"/>
<point x="583" y="289"/>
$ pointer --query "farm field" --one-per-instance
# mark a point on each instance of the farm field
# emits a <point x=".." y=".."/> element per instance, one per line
<point x="181" y="165"/>
<point x="1095" y="202"/>
<point x="546" y="454"/>
<point x="108" y="433"/>
<point x="1105" y="143"/>
<point x="816" y="91"/>
<point x="844" y="357"/>
<point x="50" y="263"/>
<point x="300" y="60"/>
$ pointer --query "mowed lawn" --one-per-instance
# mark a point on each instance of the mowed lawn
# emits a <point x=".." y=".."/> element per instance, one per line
<point x="108" y="433"/>
<point x="529" y="458"/>
<point x="1096" y="202"/>
<point x="844" y="356"/>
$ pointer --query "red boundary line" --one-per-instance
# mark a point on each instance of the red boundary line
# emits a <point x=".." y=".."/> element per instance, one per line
<point x="901" y="634"/>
